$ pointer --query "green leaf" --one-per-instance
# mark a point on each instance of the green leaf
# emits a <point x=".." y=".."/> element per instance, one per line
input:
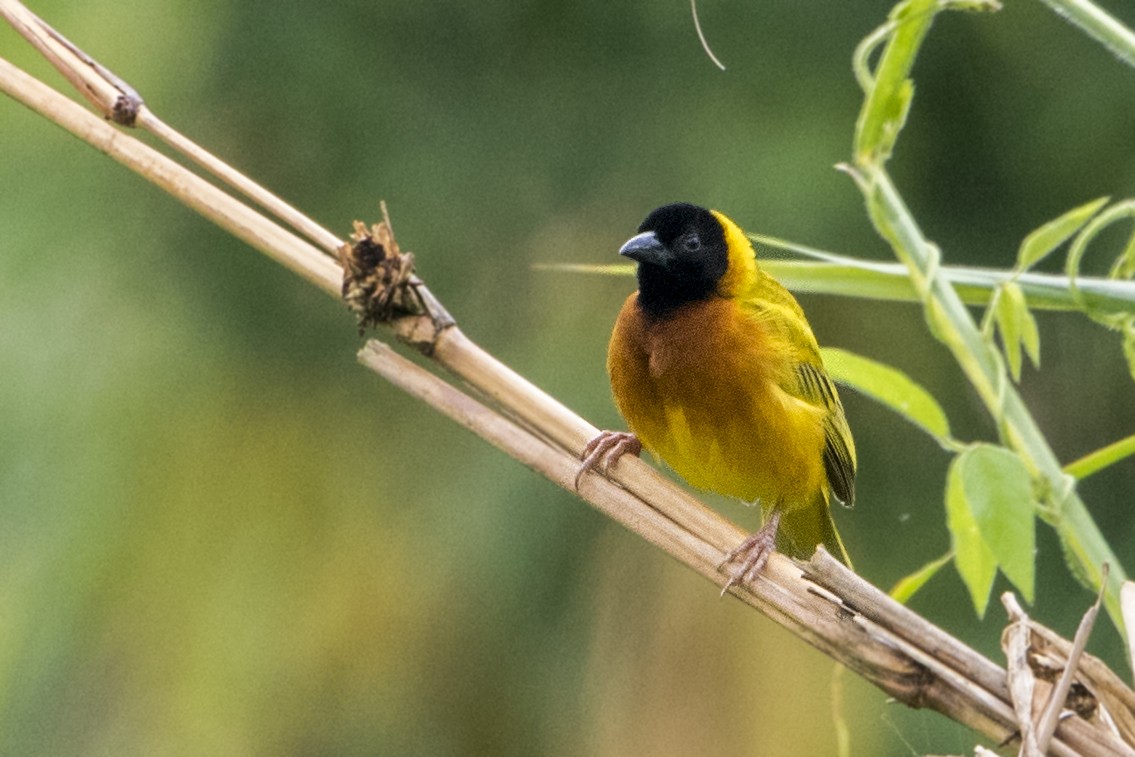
<point x="887" y="104"/>
<point x="1101" y="458"/>
<point x="1030" y="334"/>
<point x="1008" y="319"/>
<point x="974" y="560"/>
<point x="891" y="387"/>
<point x="909" y="585"/>
<point x="999" y="493"/>
<point x="1017" y="326"/>
<point x="1042" y="241"/>
<point x="606" y="269"/>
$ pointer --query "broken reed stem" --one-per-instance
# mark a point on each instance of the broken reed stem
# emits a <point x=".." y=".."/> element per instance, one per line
<point x="1056" y="700"/>
<point x="829" y="607"/>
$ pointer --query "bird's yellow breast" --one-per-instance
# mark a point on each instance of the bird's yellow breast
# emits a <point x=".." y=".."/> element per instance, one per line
<point x="701" y="388"/>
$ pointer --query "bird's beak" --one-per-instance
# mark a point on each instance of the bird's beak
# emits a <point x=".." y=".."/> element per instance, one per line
<point x="645" y="248"/>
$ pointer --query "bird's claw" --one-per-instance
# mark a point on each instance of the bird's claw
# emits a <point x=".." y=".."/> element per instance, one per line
<point x="753" y="553"/>
<point x="606" y="449"/>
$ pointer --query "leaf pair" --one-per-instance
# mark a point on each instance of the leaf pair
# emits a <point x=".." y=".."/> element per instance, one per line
<point x="1015" y="323"/>
<point x="991" y="513"/>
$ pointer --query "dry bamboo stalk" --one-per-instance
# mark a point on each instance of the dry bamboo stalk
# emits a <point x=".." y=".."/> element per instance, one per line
<point x="842" y="616"/>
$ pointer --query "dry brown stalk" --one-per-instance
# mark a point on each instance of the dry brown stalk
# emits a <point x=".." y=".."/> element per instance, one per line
<point x="820" y="601"/>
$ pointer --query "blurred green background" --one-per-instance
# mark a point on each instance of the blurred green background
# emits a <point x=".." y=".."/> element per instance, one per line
<point x="219" y="535"/>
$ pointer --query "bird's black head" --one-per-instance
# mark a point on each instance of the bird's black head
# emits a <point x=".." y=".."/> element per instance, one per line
<point x="681" y="254"/>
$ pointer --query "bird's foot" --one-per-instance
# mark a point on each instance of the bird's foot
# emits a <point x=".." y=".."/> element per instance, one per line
<point x="753" y="553"/>
<point x="605" y="450"/>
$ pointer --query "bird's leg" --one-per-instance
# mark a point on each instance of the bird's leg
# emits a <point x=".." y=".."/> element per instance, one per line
<point x="753" y="552"/>
<point x="607" y="448"/>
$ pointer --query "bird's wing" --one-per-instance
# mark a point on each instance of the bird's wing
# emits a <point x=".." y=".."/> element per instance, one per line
<point x="816" y="387"/>
<point x="808" y="381"/>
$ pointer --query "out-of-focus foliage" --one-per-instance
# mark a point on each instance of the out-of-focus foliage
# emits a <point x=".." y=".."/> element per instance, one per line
<point x="219" y="535"/>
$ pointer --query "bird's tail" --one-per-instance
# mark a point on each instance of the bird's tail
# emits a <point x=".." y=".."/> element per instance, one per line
<point x="801" y="529"/>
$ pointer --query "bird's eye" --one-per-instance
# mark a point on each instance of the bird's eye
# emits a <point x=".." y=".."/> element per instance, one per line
<point x="691" y="243"/>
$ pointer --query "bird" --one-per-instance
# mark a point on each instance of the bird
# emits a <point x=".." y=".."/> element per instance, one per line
<point x="716" y="371"/>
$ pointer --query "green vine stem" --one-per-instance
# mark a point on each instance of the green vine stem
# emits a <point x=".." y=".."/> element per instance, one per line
<point x="1097" y="24"/>
<point x="884" y="112"/>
